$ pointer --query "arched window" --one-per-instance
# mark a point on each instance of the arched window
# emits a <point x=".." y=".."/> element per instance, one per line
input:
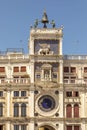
<point x="1" y="109"/>
<point x="16" y="109"/>
<point x="69" y="111"/>
<point x="23" y="109"/>
<point x="76" y="110"/>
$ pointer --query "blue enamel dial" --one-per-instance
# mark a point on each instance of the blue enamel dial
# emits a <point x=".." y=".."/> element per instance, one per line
<point x="46" y="103"/>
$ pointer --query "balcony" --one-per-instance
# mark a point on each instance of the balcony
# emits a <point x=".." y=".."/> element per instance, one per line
<point x="72" y="99"/>
<point x="46" y="58"/>
<point x="75" y="57"/>
<point x="75" y="81"/>
<point x="14" y="81"/>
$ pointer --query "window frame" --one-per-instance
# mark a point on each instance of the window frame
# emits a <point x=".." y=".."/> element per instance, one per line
<point x="16" y="127"/>
<point x="15" y="69"/>
<point x="1" y="109"/>
<point x="23" y="110"/>
<point x="68" y="93"/>
<point x="1" y="93"/>
<point x="23" y="93"/>
<point x="16" y="110"/>
<point x="2" y="69"/>
<point x="23" y="69"/>
<point x="16" y="93"/>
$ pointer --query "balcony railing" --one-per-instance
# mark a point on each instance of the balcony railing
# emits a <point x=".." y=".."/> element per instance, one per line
<point x="14" y="57"/>
<point x="75" y="57"/>
<point x="15" y="80"/>
<point x="75" y="81"/>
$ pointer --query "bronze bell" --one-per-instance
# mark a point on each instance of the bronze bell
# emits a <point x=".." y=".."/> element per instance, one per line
<point x="45" y="19"/>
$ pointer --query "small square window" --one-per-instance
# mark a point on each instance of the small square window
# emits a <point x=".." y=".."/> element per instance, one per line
<point x="16" y="69"/>
<point x="2" y="69"/>
<point x="85" y="69"/>
<point x="69" y="94"/>
<point x="73" y="69"/>
<point x="66" y="69"/>
<point x="38" y="76"/>
<point x="23" y="68"/>
<point x="23" y="93"/>
<point x="75" y="93"/>
<point x="16" y="93"/>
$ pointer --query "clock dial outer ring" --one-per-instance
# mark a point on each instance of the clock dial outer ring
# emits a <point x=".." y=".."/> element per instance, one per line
<point x="48" y="112"/>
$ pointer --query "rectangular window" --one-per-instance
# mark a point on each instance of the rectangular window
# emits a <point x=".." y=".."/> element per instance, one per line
<point x="16" y="127"/>
<point x="2" y="69"/>
<point x="85" y="79"/>
<point x="16" y="110"/>
<point x="2" y="79"/>
<point x="73" y="69"/>
<point x="23" y="127"/>
<point x="23" y="93"/>
<point x="1" y="93"/>
<point x="16" y="69"/>
<point x="1" y="109"/>
<point x="69" y="128"/>
<point x="66" y="69"/>
<point x="73" y="79"/>
<point x="66" y="79"/>
<point x="69" y="94"/>
<point x="76" y="127"/>
<point x="38" y="76"/>
<point x="16" y="93"/>
<point x="85" y="69"/>
<point x="23" y="68"/>
<point x="75" y="93"/>
<point x="54" y="75"/>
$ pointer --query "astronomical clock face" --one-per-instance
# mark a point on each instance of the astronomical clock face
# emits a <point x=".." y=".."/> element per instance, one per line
<point x="46" y="103"/>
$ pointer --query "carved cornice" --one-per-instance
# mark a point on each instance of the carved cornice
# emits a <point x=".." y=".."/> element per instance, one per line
<point x="26" y="120"/>
<point x="46" y="33"/>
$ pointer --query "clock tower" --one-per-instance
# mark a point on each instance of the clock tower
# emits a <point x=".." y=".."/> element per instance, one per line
<point x="46" y="66"/>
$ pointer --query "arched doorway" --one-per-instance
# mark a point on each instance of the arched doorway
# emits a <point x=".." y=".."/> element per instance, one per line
<point x="46" y="127"/>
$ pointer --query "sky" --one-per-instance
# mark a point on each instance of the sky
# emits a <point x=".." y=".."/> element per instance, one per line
<point x="16" y="17"/>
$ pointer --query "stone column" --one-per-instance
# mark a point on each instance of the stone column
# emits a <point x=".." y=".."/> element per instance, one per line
<point x="32" y="72"/>
<point x="8" y="126"/>
<point x="31" y="46"/>
<point x="19" y="110"/>
<point x="60" y="49"/>
<point x="82" y="105"/>
<point x="61" y="103"/>
<point x="61" y="126"/>
<point x="61" y="71"/>
<point x="8" y="104"/>
<point x="83" y="126"/>
<point x="31" y="126"/>
<point x="31" y="104"/>
<point x="42" y="75"/>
